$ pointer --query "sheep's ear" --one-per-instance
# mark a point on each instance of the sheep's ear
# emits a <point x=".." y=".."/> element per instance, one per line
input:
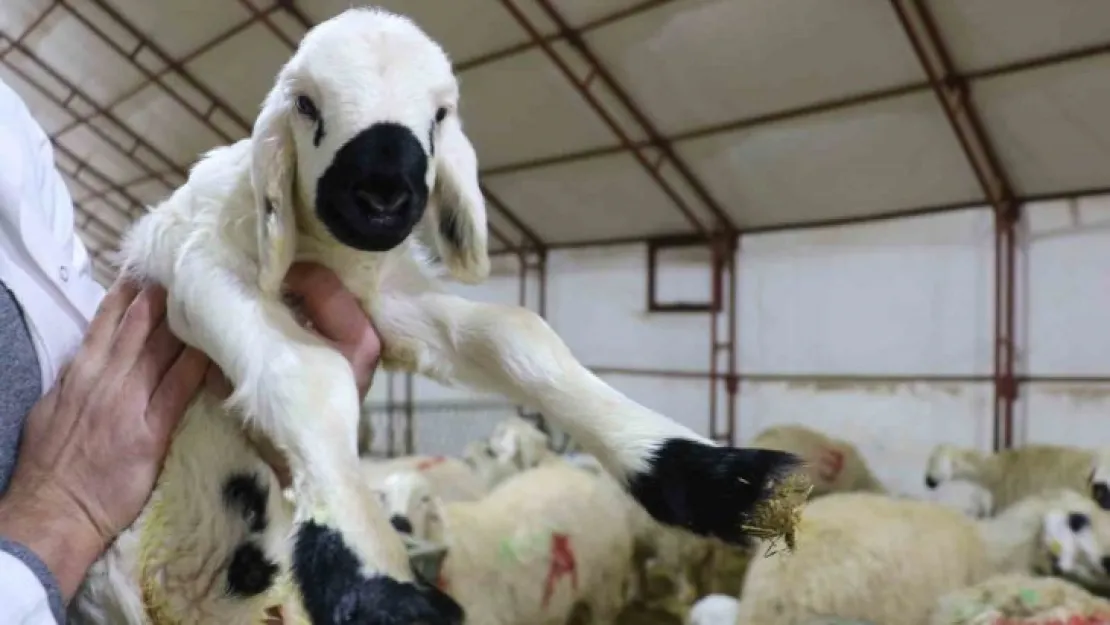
<point x="458" y="209"/>
<point x="273" y="166"/>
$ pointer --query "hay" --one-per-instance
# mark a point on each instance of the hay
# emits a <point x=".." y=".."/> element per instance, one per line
<point x="778" y="517"/>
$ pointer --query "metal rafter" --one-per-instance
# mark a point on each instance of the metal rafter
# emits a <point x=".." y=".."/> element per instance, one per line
<point x="955" y="98"/>
<point x="655" y="138"/>
<point x="583" y="88"/>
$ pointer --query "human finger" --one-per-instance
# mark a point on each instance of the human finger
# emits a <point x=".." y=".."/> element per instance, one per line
<point x="142" y="317"/>
<point x="178" y="387"/>
<point x="159" y="353"/>
<point x="108" y="315"/>
<point x="333" y="310"/>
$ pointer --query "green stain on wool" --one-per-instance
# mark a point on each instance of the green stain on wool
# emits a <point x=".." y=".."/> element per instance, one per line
<point x="1028" y="596"/>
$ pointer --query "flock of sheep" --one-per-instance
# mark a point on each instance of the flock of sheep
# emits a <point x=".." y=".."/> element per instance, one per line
<point x="534" y="537"/>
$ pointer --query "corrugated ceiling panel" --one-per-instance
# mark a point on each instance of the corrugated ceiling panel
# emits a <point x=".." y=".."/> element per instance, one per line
<point x="868" y="159"/>
<point x="694" y="64"/>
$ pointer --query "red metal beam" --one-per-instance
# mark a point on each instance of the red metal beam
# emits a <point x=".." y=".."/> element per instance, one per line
<point x="954" y="96"/>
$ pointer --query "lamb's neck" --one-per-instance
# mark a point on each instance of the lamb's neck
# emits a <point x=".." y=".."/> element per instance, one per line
<point x="1011" y="539"/>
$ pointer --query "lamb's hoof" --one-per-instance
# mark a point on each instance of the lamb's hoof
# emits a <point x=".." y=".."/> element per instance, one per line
<point x="711" y="491"/>
<point x="335" y="593"/>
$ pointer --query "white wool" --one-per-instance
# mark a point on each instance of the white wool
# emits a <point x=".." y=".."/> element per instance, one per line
<point x="451" y="479"/>
<point x="1012" y="474"/>
<point x="833" y="465"/>
<point x="714" y="610"/>
<point x="499" y="548"/>
<point x="888" y="560"/>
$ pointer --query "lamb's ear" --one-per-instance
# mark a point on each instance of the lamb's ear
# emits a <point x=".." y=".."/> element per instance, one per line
<point x="273" y="168"/>
<point x="457" y="207"/>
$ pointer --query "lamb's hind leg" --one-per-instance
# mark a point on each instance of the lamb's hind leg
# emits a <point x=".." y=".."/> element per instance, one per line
<point x="679" y="477"/>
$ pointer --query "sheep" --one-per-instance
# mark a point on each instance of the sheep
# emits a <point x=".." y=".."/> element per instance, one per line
<point x="1099" y="478"/>
<point x="1011" y="474"/>
<point x="1018" y="598"/>
<point x="451" y="479"/>
<point x="1075" y="540"/>
<point x="358" y="161"/>
<point x="834" y="465"/>
<point x="540" y="546"/>
<point x="888" y="560"/>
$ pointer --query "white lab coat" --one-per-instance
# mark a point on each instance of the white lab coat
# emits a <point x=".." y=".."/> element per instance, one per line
<point x="46" y="267"/>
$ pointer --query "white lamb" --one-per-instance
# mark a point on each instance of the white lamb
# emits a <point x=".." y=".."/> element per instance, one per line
<point x="1011" y="474"/>
<point x="451" y="479"/>
<point x="834" y="465"/>
<point x="888" y="560"/>
<point x="1099" y="478"/>
<point x="544" y="545"/>
<point x="359" y="146"/>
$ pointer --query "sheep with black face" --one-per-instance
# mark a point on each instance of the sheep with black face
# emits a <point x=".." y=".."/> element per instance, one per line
<point x="357" y="147"/>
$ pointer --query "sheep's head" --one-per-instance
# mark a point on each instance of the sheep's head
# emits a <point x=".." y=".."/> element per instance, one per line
<point x="519" y="443"/>
<point x="360" y="137"/>
<point x="1099" y="480"/>
<point x="1075" y="538"/>
<point x="946" y="463"/>
<point x="412" y="507"/>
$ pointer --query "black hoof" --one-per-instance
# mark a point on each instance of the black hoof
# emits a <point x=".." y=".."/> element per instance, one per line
<point x="335" y="593"/>
<point x="710" y="491"/>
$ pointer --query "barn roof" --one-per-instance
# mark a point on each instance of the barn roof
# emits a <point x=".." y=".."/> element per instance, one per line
<point x="615" y="120"/>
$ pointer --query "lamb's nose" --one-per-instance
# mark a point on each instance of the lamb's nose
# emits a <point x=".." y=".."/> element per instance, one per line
<point x="385" y="199"/>
<point x="401" y="524"/>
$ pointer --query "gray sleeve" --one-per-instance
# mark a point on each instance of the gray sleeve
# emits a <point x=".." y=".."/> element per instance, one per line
<point x="45" y="577"/>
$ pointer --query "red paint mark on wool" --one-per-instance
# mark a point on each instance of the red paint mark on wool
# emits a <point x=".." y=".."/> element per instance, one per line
<point x="831" y="464"/>
<point x="563" y="564"/>
<point x="424" y="465"/>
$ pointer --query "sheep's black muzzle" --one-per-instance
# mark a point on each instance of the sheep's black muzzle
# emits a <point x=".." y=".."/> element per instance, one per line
<point x="374" y="192"/>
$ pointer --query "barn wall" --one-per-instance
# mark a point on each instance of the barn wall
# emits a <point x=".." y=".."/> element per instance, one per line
<point x="825" y="314"/>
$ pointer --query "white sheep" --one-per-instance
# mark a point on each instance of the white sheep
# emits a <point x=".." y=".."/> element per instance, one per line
<point x="887" y="560"/>
<point x="451" y="479"/>
<point x="833" y="464"/>
<point x="1011" y="474"/>
<point x="1021" y="598"/>
<point x="357" y="152"/>
<point x="542" y="545"/>
<point x="1099" y="478"/>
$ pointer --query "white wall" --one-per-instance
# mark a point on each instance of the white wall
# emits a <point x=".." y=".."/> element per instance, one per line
<point x="906" y="298"/>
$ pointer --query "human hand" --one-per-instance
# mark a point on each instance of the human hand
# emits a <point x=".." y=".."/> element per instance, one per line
<point x="93" y="446"/>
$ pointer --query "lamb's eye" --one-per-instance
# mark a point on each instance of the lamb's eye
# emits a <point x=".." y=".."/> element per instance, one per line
<point x="441" y="113"/>
<point x="306" y="107"/>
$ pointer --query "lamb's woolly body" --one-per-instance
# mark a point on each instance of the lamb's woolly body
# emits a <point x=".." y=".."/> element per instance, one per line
<point x="1013" y="474"/>
<point x="186" y="573"/>
<point x="888" y="560"/>
<point x="1020" y="598"/>
<point x="451" y="479"/>
<point x="499" y="555"/>
<point x="865" y="556"/>
<point x="819" y="451"/>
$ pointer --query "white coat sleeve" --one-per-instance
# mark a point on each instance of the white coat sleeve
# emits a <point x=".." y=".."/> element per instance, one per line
<point x="28" y="592"/>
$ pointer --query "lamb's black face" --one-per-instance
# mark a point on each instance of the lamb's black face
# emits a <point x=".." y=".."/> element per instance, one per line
<point x="1101" y="494"/>
<point x="374" y="192"/>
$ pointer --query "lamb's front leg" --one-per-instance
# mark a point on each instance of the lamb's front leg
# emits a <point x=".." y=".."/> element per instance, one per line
<point x="347" y="561"/>
<point x="679" y="477"/>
